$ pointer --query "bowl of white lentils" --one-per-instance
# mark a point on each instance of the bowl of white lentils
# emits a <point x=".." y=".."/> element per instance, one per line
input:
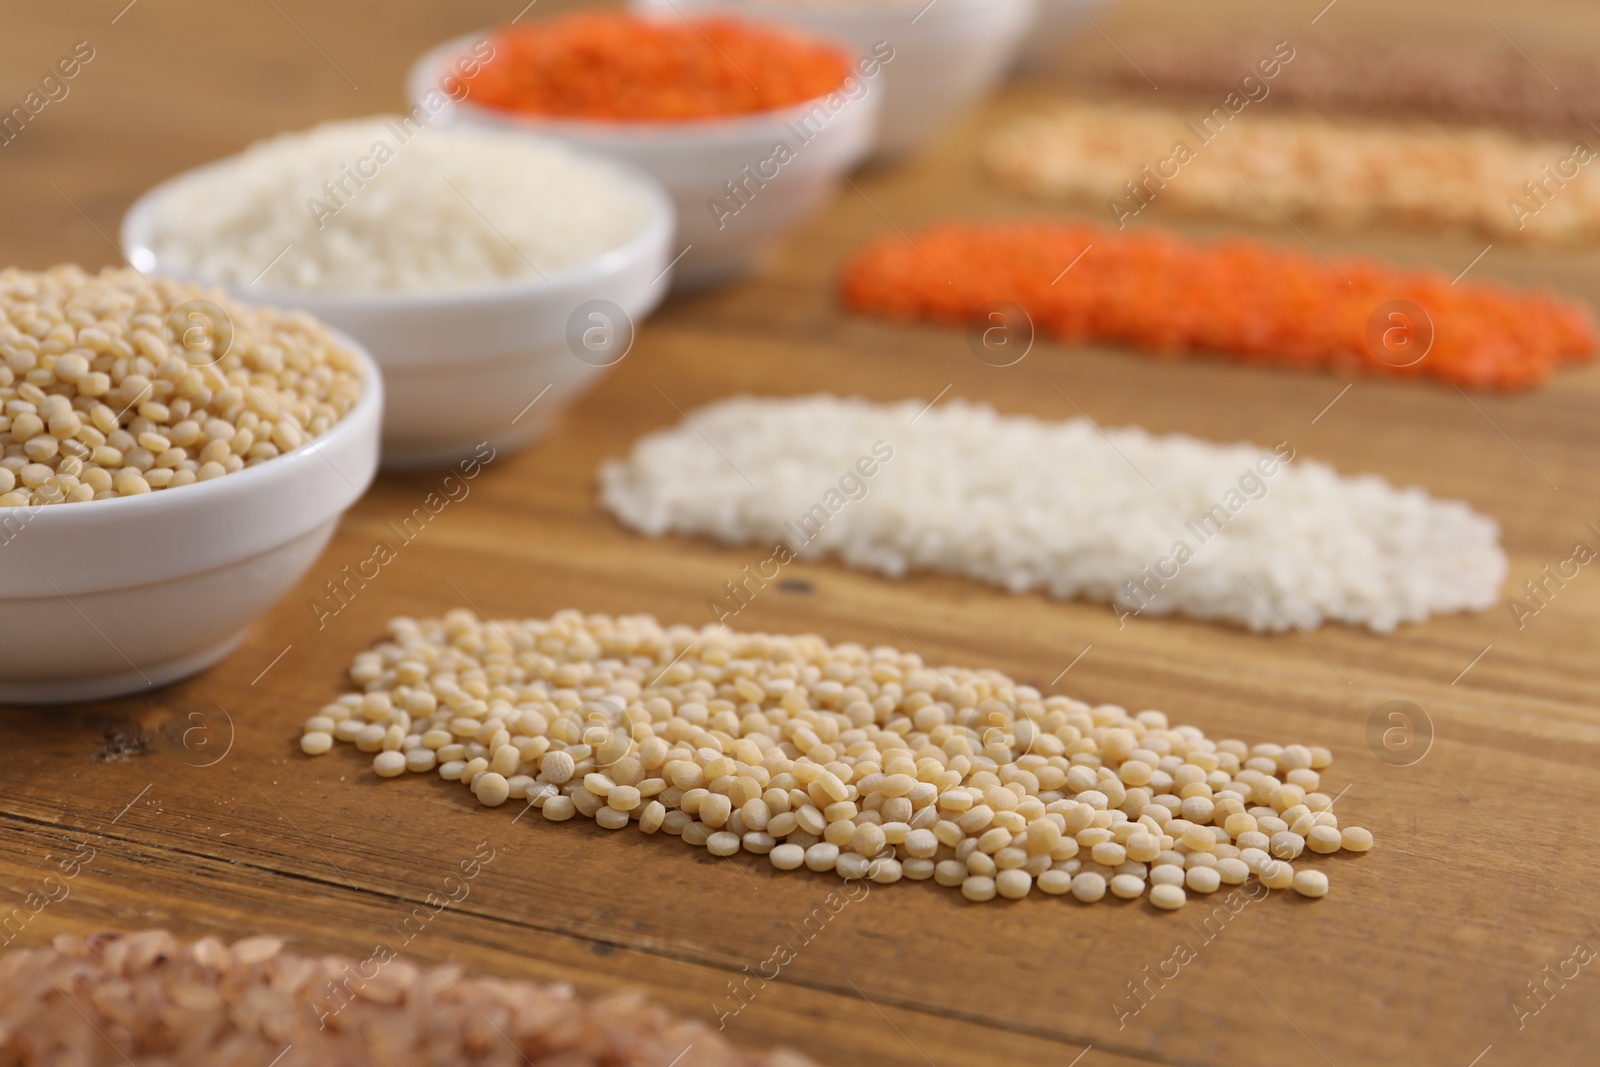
<point x="173" y="462"/>
<point x="492" y="277"/>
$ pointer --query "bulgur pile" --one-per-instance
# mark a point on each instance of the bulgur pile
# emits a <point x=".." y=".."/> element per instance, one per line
<point x="108" y="1000"/>
<point x="1344" y="173"/>
<point x="112" y="385"/>
<point x="864" y="762"/>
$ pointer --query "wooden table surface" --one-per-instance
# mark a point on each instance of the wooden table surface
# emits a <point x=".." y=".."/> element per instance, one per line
<point x="205" y="818"/>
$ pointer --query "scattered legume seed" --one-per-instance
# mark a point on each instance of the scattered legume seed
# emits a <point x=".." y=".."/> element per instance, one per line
<point x="1311" y="883"/>
<point x="1232" y="871"/>
<point x="491" y="789"/>
<point x="1127" y="886"/>
<point x="1324" y="839"/>
<point x="838" y="758"/>
<point x="389" y="764"/>
<point x="205" y="1003"/>
<point x="1202" y="879"/>
<point x="1356" y="839"/>
<point x="1168" y="897"/>
<point x="1276" y="874"/>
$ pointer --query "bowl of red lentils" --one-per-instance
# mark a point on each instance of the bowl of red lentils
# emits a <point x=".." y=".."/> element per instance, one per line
<point x="750" y="127"/>
<point x="173" y="463"/>
<point x="937" y="58"/>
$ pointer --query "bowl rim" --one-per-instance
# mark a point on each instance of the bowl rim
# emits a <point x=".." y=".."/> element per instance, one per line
<point x="241" y="481"/>
<point x="690" y="133"/>
<point x="662" y="222"/>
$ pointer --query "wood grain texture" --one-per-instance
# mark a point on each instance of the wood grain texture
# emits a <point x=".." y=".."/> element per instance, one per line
<point x="204" y="817"/>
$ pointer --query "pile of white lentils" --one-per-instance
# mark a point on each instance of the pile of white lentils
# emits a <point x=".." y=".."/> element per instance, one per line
<point x="865" y="762"/>
<point x="112" y="385"/>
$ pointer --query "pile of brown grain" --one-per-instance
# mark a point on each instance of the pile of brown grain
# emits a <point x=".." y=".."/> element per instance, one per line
<point x="1352" y="74"/>
<point x="146" y="999"/>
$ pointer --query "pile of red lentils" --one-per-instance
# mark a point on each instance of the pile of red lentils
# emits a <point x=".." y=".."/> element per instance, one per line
<point x="1239" y="299"/>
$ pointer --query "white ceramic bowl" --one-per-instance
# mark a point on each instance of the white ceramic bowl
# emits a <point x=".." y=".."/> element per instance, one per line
<point x="1058" y="23"/>
<point x="946" y="55"/>
<point x="696" y="160"/>
<point x="461" y="366"/>
<point x="110" y="597"/>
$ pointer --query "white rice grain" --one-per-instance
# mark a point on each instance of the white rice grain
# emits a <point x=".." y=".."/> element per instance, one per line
<point x="389" y="205"/>
<point x="1030" y="504"/>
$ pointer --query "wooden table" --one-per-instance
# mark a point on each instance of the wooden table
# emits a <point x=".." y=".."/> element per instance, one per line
<point x="205" y="818"/>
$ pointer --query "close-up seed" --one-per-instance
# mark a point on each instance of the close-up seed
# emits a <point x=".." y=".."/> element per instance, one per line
<point x="1168" y="897"/>
<point x="1311" y="883"/>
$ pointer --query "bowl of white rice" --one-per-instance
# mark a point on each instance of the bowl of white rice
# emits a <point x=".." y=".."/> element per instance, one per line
<point x="945" y="54"/>
<point x="493" y="277"/>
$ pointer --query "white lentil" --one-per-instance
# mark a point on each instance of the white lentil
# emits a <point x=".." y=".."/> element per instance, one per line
<point x="962" y="489"/>
<point x="822" y="856"/>
<point x="389" y="764"/>
<point x="979" y="888"/>
<point x="818" y="757"/>
<point x="1089" y="887"/>
<point x="787" y="857"/>
<point x="1356" y="839"/>
<point x="1232" y="871"/>
<point x="1127" y="886"/>
<point x="850" y="865"/>
<point x="559" y="809"/>
<point x="1276" y="874"/>
<point x="1311" y="883"/>
<point x="1324" y="839"/>
<point x="1287" y="845"/>
<point x="1013" y="884"/>
<point x="1168" y="897"/>
<point x="490" y="788"/>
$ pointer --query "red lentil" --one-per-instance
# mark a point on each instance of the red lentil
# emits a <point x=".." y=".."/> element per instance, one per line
<point x="616" y="66"/>
<point x="1240" y="298"/>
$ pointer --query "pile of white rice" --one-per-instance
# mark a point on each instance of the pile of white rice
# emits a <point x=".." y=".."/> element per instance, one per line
<point x="1030" y="504"/>
<point x="390" y="204"/>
